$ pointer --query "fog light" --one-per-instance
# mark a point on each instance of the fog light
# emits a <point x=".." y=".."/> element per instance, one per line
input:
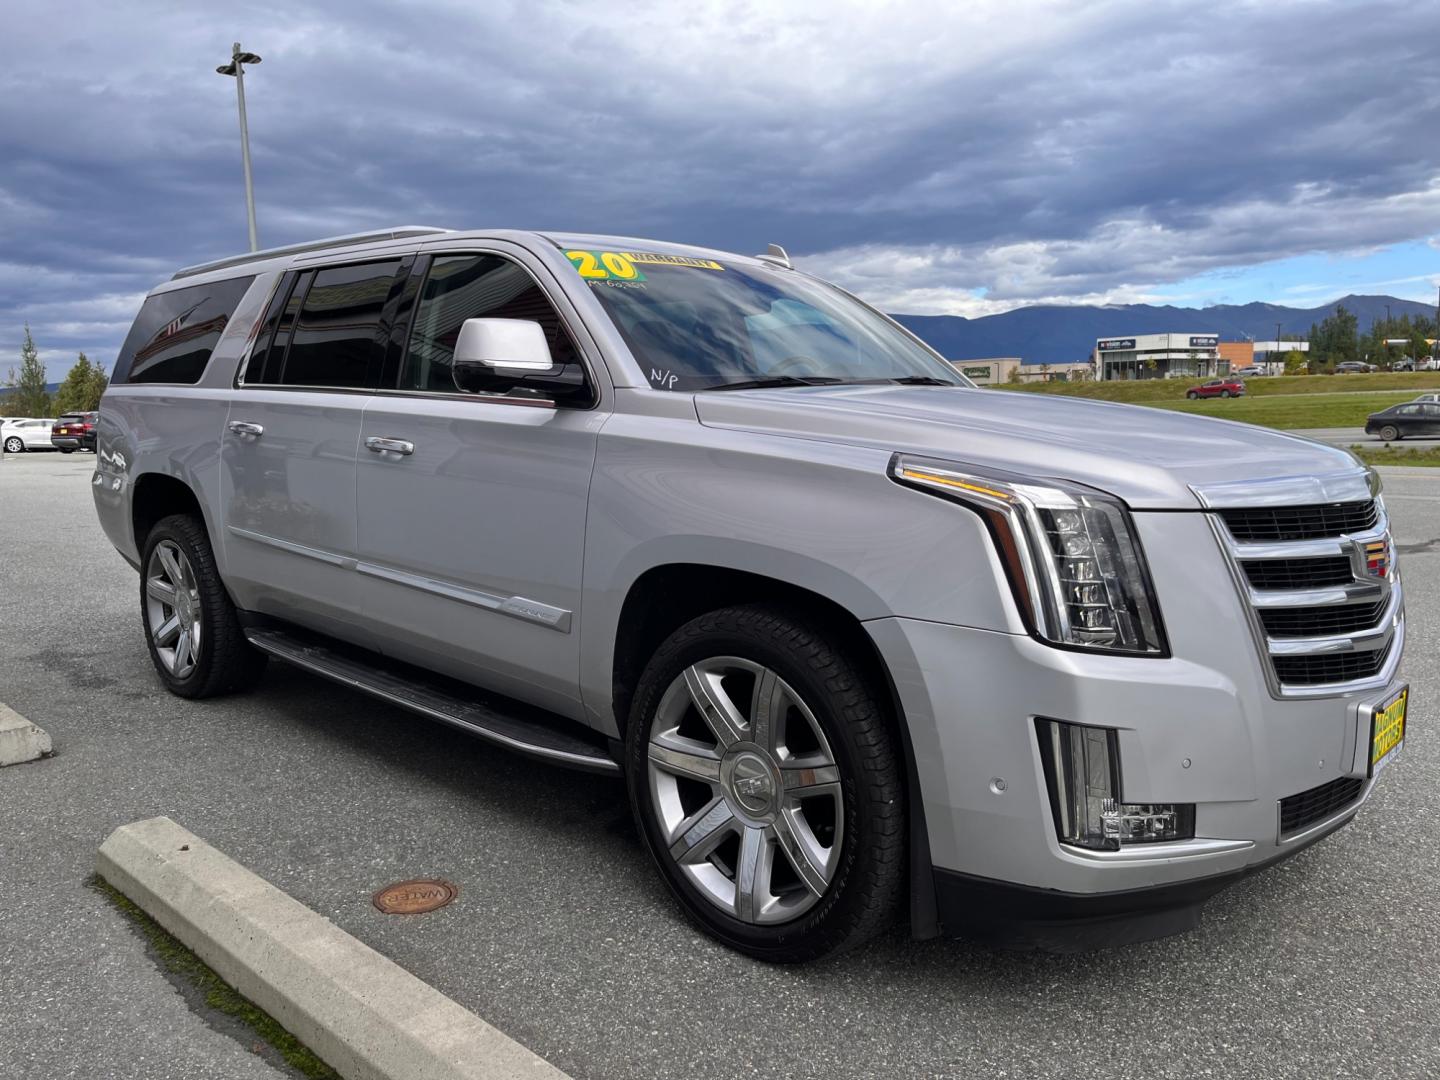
<point x="1082" y="768"/>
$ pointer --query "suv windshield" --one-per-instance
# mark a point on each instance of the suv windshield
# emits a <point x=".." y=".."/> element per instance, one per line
<point x="697" y="324"/>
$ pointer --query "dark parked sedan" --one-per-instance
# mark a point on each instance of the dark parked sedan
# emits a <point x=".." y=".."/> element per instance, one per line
<point x="1412" y="418"/>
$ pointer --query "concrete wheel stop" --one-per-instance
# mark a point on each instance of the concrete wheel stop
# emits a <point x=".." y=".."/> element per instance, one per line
<point x="20" y="740"/>
<point x="360" y="1012"/>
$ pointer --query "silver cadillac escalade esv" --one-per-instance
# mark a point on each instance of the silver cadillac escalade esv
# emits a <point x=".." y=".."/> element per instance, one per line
<point x="862" y="639"/>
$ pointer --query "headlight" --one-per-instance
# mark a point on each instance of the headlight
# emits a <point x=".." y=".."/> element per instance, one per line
<point x="1070" y="551"/>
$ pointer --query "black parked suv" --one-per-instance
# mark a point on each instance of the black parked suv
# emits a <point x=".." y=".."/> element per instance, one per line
<point x="74" y="431"/>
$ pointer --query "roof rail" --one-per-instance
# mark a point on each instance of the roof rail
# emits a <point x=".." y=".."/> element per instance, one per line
<point x="399" y="233"/>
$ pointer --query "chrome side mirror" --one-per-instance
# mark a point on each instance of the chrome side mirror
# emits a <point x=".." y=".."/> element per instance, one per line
<point x="503" y="346"/>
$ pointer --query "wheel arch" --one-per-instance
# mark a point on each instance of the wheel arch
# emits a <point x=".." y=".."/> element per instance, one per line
<point x="665" y="597"/>
<point x="157" y="495"/>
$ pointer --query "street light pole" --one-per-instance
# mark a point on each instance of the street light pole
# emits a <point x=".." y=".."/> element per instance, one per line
<point x="236" y="67"/>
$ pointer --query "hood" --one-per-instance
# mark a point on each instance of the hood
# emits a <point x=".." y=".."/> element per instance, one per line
<point x="1148" y="457"/>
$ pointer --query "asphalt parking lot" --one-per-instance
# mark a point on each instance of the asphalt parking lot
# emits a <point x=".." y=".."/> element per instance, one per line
<point x="563" y="936"/>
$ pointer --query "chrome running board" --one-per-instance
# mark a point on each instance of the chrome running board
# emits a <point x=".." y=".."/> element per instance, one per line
<point x="512" y="725"/>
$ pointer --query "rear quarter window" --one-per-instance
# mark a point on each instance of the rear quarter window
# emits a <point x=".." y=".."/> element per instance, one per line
<point x="175" y="333"/>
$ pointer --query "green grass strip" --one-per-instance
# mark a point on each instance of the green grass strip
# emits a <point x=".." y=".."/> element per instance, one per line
<point x="1296" y="411"/>
<point x="1394" y="455"/>
<point x="219" y="995"/>
<point x="1144" y="391"/>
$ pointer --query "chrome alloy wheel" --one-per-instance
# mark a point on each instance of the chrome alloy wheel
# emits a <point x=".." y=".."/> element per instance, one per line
<point x="746" y="790"/>
<point x="13" y="445"/>
<point x="172" y="608"/>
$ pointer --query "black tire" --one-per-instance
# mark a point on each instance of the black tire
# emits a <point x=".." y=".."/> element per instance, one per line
<point x="1224" y="393"/>
<point x="226" y="662"/>
<point x="1191" y="394"/>
<point x="66" y="449"/>
<point x="865" y="891"/>
<point x="1390" y="433"/>
<point x="14" y="445"/>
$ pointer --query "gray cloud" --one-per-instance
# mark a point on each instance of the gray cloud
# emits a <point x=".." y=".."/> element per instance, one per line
<point x="934" y="156"/>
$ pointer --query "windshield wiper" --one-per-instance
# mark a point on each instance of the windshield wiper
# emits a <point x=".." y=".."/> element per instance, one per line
<point x="921" y="380"/>
<point x="778" y="380"/>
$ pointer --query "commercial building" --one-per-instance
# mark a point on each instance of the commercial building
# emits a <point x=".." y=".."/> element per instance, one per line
<point x="1270" y="355"/>
<point x="1235" y="355"/>
<point x="998" y="370"/>
<point x="1158" y="356"/>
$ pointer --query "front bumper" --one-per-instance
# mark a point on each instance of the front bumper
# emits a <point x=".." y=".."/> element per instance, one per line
<point x="1020" y="917"/>
<point x="1203" y="731"/>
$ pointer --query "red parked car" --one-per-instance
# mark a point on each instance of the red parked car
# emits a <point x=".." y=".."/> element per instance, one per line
<point x="1217" y="388"/>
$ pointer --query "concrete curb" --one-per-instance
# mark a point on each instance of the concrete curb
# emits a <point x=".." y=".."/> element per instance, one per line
<point x="363" y="1014"/>
<point x="20" y="740"/>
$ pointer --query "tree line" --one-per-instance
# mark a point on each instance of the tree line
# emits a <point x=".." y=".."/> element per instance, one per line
<point x="1337" y="338"/>
<point x="26" y="392"/>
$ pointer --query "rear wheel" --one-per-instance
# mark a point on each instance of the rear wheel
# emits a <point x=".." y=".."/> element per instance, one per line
<point x="191" y="626"/>
<point x="1390" y="433"/>
<point x="66" y="449"/>
<point x="765" y="782"/>
<point x="13" y="445"/>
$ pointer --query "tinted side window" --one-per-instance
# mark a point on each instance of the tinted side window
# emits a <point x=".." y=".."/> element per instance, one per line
<point x="337" y="340"/>
<point x="460" y="287"/>
<point x="175" y="333"/>
<point x="268" y="356"/>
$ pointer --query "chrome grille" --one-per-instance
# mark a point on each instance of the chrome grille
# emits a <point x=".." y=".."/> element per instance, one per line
<point x="1298" y="573"/>
<point x="1318" y="578"/>
<point x="1329" y="668"/>
<point x="1320" y="621"/>
<point x="1270" y="523"/>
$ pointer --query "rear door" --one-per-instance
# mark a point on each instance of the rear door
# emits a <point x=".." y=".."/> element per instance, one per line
<point x="289" y="445"/>
<point x="471" y="537"/>
<point x="1407" y="419"/>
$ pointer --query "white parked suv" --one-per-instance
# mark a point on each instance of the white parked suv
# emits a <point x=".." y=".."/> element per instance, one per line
<point x="19" y="434"/>
<point x="864" y="641"/>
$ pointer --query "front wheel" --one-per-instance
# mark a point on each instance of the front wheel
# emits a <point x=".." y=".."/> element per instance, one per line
<point x="1389" y="433"/>
<point x="191" y="626"/>
<point x="13" y="445"/>
<point x="1224" y="393"/>
<point x="765" y="782"/>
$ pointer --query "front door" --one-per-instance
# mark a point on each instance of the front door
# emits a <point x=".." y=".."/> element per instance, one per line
<point x="472" y="508"/>
<point x="289" y="447"/>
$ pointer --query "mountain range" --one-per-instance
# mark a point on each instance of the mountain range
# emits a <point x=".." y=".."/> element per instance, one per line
<point x="1054" y="334"/>
<point x="1057" y="334"/>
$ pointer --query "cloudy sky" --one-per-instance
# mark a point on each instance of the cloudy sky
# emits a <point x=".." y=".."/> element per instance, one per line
<point x="937" y="157"/>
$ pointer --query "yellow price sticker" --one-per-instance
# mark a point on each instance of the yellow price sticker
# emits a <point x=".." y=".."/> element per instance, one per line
<point x="625" y="265"/>
<point x="672" y="260"/>
<point x="604" y="265"/>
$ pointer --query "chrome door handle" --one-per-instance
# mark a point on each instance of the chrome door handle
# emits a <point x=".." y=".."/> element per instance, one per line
<point x="241" y="427"/>
<point x="392" y="446"/>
